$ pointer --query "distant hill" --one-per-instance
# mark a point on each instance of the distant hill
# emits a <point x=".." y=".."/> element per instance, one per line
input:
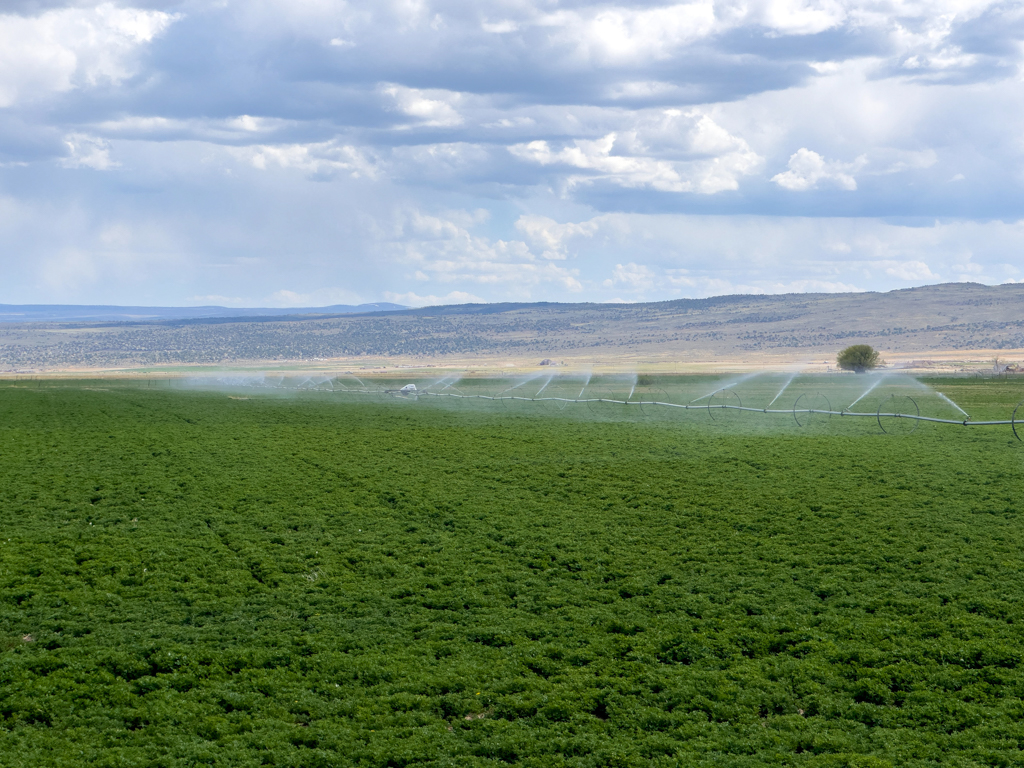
<point x="802" y="326"/>
<point x="70" y="313"/>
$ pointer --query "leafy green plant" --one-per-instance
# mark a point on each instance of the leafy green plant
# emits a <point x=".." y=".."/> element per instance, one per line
<point x="190" y="579"/>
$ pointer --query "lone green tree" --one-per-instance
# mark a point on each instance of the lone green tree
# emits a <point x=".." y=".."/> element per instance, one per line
<point x="859" y="358"/>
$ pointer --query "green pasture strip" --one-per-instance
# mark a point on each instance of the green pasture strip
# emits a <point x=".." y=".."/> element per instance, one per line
<point x="308" y="580"/>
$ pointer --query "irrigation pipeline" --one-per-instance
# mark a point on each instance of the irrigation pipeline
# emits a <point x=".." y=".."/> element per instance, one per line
<point x="1014" y="422"/>
<point x="904" y="415"/>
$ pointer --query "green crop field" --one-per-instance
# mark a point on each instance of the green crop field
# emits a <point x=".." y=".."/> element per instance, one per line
<point x="244" y="578"/>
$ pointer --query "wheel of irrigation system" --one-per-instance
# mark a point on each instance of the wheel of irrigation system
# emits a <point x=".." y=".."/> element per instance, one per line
<point x="583" y="397"/>
<point x="609" y="400"/>
<point x="648" y="398"/>
<point x="563" y="393"/>
<point x="1014" y="421"/>
<point x="597" y="395"/>
<point x="898" y="415"/>
<point x="538" y="402"/>
<point x="505" y="395"/>
<point x="516" y="401"/>
<point x="554" y="402"/>
<point x="722" y="401"/>
<point x="816" y="410"/>
<point x="580" y="396"/>
<point x="651" y="405"/>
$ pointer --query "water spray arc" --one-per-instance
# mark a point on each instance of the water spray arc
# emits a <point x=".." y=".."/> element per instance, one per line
<point x="585" y="385"/>
<point x="552" y="376"/>
<point x="948" y="400"/>
<point x="866" y="392"/>
<point x="896" y="414"/>
<point x="788" y="382"/>
<point x="514" y="387"/>
<point x="730" y="385"/>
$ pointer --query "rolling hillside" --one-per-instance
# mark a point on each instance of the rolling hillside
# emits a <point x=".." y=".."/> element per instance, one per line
<point x="956" y="316"/>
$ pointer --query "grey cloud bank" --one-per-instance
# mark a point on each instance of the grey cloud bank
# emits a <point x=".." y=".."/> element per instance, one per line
<point x="317" y="152"/>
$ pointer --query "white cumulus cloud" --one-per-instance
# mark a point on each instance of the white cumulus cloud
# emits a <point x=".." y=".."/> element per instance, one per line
<point x="72" y="47"/>
<point x="632" y="276"/>
<point x="673" y="151"/>
<point x="416" y="300"/>
<point x="317" y="159"/>
<point x="428" y="107"/>
<point x="439" y="249"/>
<point x="551" y="236"/>
<point x="808" y="169"/>
<point x="622" y="34"/>
<point x="911" y="271"/>
<point x="87" y="152"/>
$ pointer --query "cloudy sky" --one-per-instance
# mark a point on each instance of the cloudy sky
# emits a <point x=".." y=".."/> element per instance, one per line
<point x="311" y="152"/>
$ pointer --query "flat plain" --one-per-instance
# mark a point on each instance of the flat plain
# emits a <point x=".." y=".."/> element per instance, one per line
<point x="242" y="578"/>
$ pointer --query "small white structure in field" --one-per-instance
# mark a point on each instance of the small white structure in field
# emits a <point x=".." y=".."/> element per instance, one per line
<point x="409" y="390"/>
